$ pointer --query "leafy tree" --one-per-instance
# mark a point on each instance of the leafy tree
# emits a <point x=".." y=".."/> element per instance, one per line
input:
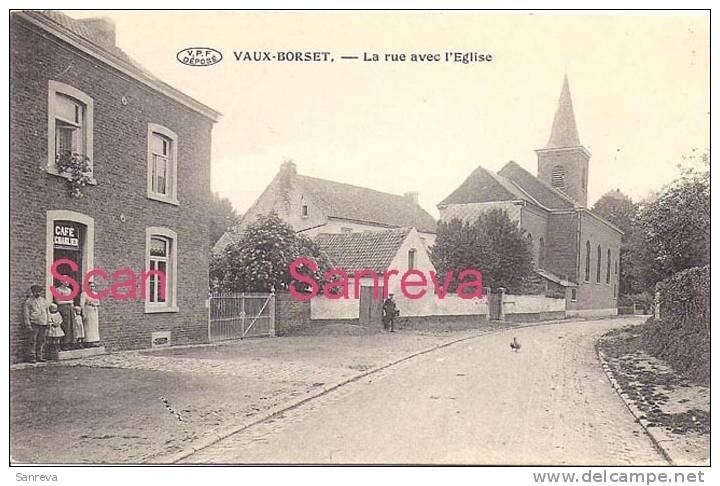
<point x="222" y="217"/>
<point x="620" y="210"/>
<point x="493" y="244"/>
<point x="260" y="259"/>
<point x="674" y="228"/>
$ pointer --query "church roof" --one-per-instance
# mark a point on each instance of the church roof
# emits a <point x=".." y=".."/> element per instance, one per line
<point x="372" y="250"/>
<point x="345" y="201"/>
<point x="564" y="132"/>
<point x="512" y="183"/>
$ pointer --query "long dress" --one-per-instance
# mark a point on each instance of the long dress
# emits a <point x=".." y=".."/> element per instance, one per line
<point x="90" y="321"/>
<point x="66" y="310"/>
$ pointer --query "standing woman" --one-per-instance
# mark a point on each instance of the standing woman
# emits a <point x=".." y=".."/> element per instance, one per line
<point x="90" y="318"/>
<point x="66" y="309"/>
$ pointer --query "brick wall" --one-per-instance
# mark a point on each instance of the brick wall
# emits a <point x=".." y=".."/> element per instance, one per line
<point x="594" y="295"/>
<point x="575" y="162"/>
<point x="120" y="168"/>
<point x="561" y="245"/>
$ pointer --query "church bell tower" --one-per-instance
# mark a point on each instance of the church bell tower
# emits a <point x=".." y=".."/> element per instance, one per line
<point x="563" y="162"/>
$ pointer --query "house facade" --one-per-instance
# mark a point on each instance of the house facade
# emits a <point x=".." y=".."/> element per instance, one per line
<point x="74" y="93"/>
<point x="575" y="251"/>
<point x="313" y="206"/>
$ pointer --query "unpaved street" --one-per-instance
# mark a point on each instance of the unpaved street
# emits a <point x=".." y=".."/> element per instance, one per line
<point x="472" y="402"/>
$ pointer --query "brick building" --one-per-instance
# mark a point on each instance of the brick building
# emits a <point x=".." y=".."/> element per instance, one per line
<point x="73" y="91"/>
<point x="576" y="251"/>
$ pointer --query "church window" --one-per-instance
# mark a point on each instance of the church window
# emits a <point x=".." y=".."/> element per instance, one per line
<point x="557" y="179"/>
<point x="599" y="258"/>
<point x="607" y="275"/>
<point x="541" y="254"/>
<point x="587" y="261"/>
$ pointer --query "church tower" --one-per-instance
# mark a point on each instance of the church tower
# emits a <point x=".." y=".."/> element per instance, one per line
<point x="563" y="162"/>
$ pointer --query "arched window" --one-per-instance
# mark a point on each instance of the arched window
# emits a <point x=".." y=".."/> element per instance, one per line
<point x="541" y="254"/>
<point x="557" y="178"/>
<point x="587" y="261"/>
<point x="411" y="258"/>
<point x="607" y="275"/>
<point x="599" y="257"/>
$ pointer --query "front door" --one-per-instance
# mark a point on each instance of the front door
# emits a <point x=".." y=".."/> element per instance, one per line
<point x="68" y="244"/>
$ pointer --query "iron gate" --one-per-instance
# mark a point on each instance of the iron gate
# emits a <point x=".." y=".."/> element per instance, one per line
<point x="236" y="316"/>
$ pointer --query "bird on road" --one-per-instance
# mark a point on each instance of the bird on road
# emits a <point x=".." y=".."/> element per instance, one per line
<point x="515" y="345"/>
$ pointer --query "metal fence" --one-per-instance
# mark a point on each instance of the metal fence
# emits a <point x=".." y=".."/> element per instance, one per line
<point x="236" y="316"/>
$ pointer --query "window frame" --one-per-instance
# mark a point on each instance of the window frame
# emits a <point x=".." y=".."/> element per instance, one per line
<point x="56" y="88"/>
<point x="171" y="174"/>
<point x="170" y="304"/>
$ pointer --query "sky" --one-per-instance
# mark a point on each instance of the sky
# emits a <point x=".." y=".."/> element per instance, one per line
<point x="639" y="83"/>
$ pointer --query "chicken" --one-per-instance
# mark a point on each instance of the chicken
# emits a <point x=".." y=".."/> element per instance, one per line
<point x="515" y="345"/>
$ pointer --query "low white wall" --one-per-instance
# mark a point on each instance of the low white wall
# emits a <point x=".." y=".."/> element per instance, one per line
<point x="531" y="304"/>
<point x="451" y="305"/>
<point x="593" y="312"/>
<point x="322" y="308"/>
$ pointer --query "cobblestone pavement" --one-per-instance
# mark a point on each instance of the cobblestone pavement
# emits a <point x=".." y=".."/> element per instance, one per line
<point x="472" y="402"/>
<point x="141" y="407"/>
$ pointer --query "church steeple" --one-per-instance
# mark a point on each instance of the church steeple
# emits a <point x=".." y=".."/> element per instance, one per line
<point x="563" y="162"/>
<point x="564" y="132"/>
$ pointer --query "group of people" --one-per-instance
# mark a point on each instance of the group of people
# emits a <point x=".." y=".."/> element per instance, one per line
<point x="60" y="325"/>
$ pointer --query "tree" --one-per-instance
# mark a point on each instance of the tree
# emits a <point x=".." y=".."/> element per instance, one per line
<point x="674" y="228"/>
<point x="492" y="244"/>
<point x="620" y="210"/>
<point x="260" y="259"/>
<point x="222" y="217"/>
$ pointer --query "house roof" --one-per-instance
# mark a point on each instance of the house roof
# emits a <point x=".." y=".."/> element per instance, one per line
<point x="564" y="132"/>
<point x="82" y="35"/>
<point x="345" y="201"/>
<point x="373" y="250"/>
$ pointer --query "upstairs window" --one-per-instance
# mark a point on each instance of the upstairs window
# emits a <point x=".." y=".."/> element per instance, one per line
<point x="162" y="164"/>
<point x="411" y="258"/>
<point x="304" y="210"/>
<point x="557" y="178"/>
<point x="70" y="123"/>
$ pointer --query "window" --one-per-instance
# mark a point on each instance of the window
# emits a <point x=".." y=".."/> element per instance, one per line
<point x="541" y="254"/>
<point x="599" y="257"/>
<point x="411" y="258"/>
<point x="161" y="256"/>
<point x="304" y="210"/>
<point x="573" y="295"/>
<point x="587" y="261"/>
<point x="607" y="275"/>
<point x="70" y="123"/>
<point x="616" y="267"/>
<point x="162" y="164"/>
<point x="584" y="177"/>
<point x="557" y="178"/>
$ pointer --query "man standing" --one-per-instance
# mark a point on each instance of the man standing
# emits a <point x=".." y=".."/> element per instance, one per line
<point x="389" y="313"/>
<point x="35" y="315"/>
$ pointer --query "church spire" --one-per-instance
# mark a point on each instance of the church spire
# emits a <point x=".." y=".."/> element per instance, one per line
<point x="564" y="130"/>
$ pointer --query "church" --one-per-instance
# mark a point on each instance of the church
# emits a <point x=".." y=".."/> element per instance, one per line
<point x="576" y="252"/>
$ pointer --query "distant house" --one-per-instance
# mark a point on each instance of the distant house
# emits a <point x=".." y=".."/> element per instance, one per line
<point x="398" y="250"/>
<point x="313" y="206"/>
<point x="575" y="250"/>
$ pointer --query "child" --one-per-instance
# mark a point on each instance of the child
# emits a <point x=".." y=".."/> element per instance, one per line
<point x="55" y="332"/>
<point x="78" y="328"/>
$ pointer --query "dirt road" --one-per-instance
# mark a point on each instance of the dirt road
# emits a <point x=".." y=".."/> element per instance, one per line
<point x="473" y="402"/>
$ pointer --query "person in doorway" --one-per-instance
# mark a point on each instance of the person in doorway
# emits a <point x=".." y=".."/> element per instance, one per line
<point x="65" y="307"/>
<point x="55" y="332"/>
<point x="390" y="312"/>
<point x="90" y="318"/>
<point x="78" y="328"/>
<point x="35" y="317"/>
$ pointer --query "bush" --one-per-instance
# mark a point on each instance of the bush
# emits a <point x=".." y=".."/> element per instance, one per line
<point x="682" y="335"/>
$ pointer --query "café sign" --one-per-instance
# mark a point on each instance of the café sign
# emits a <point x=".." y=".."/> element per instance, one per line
<point x="66" y="236"/>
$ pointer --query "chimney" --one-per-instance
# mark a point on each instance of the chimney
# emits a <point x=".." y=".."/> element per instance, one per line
<point x="102" y="30"/>
<point x="413" y="196"/>
<point x="288" y="167"/>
